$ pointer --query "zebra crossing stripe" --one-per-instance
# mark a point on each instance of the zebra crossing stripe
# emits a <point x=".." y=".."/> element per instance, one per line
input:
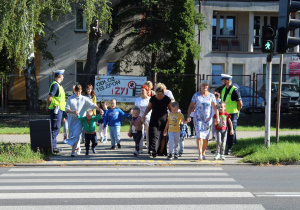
<point x="138" y="207"/>
<point x="116" y="187"/>
<point x="124" y="179"/>
<point x="71" y="174"/>
<point x="121" y="195"/>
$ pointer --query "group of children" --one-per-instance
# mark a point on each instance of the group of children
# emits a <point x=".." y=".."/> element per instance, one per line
<point x="176" y="128"/>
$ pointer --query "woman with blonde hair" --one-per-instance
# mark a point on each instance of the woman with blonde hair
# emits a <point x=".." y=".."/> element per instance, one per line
<point x="150" y="86"/>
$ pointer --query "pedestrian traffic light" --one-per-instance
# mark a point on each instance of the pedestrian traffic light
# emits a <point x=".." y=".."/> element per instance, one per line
<point x="285" y="24"/>
<point x="267" y="40"/>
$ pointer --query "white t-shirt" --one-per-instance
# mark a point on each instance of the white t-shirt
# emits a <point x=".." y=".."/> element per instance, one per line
<point x="169" y="94"/>
<point x="143" y="104"/>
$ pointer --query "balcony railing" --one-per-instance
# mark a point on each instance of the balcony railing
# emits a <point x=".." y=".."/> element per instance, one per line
<point x="237" y="43"/>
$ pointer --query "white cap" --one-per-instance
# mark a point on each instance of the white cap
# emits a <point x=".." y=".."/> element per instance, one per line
<point x="226" y="76"/>
<point x="60" y="71"/>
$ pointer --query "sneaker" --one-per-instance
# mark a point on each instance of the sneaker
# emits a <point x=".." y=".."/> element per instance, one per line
<point x="200" y="157"/>
<point x="175" y="156"/>
<point x="87" y="152"/>
<point x="135" y="154"/>
<point x="105" y="141"/>
<point x="72" y="154"/>
<point x="170" y="157"/>
<point x="64" y="141"/>
<point x="217" y="157"/>
<point x="94" y="150"/>
<point x="78" y="151"/>
<point x="101" y="139"/>
<point x="113" y="147"/>
<point x="223" y="157"/>
<point x="56" y="150"/>
<point x="180" y="155"/>
<point x="203" y="157"/>
<point x="119" y="146"/>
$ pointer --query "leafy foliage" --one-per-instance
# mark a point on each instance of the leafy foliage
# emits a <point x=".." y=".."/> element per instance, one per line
<point x="22" y="20"/>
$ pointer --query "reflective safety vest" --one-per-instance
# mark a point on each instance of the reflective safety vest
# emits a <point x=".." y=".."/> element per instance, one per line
<point x="59" y="100"/>
<point x="231" y="106"/>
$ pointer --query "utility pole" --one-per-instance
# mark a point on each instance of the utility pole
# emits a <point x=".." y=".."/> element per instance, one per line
<point x="268" y="100"/>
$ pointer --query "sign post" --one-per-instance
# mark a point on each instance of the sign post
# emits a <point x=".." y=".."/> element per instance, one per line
<point x="268" y="100"/>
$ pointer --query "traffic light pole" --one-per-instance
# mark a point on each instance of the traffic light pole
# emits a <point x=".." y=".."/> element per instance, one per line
<point x="268" y="100"/>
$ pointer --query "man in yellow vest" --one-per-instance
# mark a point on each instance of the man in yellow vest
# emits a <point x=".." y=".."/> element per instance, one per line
<point x="56" y="103"/>
<point x="231" y="95"/>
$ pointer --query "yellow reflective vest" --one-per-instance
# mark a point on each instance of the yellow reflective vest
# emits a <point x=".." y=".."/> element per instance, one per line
<point x="59" y="100"/>
<point x="231" y="106"/>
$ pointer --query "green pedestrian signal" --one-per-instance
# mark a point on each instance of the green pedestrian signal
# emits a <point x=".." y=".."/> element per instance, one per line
<point x="268" y="45"/>
<point x="267" y="39"/>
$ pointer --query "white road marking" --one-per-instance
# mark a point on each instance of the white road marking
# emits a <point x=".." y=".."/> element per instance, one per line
<point x="116" y="187"/>
<point x="114" y="195"/>
<point x="138" y="207"/>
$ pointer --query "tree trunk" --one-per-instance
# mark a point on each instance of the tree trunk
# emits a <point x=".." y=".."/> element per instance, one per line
<point x="91" y="60"/>
<point x="154" y="65"/>
<point x="32" y="89"/>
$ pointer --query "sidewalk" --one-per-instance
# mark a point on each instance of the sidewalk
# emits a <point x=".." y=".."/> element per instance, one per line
<point x="124" y="156"/>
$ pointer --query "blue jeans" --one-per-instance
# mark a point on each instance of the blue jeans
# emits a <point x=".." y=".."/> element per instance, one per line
<point x="231" y="139"/>
<point x="114" y="132"/>
<point x="55" y="125"/>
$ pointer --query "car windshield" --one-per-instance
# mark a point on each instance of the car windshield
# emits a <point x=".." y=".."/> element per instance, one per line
<point x="288" y="87"/>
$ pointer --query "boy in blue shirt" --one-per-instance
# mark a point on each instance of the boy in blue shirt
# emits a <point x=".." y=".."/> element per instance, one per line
<point x="113" y="118"/>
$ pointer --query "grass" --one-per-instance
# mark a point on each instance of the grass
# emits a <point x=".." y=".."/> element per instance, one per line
<point x="19" y="153"/>
<point x="253" y="150"/>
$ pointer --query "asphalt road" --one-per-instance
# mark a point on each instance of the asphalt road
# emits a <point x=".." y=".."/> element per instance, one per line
<point x="199" y="187"/>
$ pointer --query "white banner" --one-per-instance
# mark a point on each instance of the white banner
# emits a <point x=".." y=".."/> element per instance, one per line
<point x="122" y="88"/>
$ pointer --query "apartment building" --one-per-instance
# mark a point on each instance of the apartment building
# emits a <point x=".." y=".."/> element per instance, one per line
<point x="232" y="42"/>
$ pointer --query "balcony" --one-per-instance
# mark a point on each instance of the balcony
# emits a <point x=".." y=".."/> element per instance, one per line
<point x="238" y="43"/>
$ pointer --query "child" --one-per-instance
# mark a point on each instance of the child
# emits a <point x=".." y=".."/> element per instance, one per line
<point x="184" y="132"/>
<point x="89" y="127"/>
<point x="103" y="137"/>
<point x="174" y="120"/>
<point x="221" y="129"/>
<point x="217" y="95"/>
<point x="113" y="119"/>
<point x="136" y="127"/>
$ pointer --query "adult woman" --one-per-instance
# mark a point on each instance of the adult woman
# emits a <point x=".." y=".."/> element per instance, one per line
<point x="77" y="105"/>
<point x="159" y="104"/>
<point x="142" y="102"/>
<point x="90" y="93"/>
<point x="150" y="92"/>
<point x="203" y="101"/>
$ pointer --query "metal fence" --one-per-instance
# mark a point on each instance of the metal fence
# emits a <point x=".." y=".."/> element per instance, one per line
<point x="183" y="86"/>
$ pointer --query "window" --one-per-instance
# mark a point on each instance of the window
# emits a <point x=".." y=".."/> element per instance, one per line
<point x="257" y="31"/>
<point x="80" y="78"/>
<point x="237" y="69"/>
<point x="217" y="70"/>
<point x="275" y="73"/>
<point x="80" y="22"/>
<point x="259" y="22"/>
<point x="110" y="69"/>
<point x="224" y="25"/>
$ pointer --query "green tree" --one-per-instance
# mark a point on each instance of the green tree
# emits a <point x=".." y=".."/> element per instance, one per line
<point x="162" y="40"/>
<point x="21" y="21"/>
<point x="145" y="29"/>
